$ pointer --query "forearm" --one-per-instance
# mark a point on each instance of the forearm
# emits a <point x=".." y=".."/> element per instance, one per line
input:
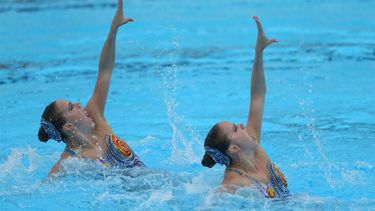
<point x="258" y="82"/>
<point x="107" y="56"/>
<point x="96" y="104"/>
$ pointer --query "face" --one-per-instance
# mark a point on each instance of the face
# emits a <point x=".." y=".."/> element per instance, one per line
<point x="75" y="114"/>
<point x="238" y="135"/>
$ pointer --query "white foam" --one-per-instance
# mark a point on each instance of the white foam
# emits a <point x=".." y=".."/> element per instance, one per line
<point x="20" y="160"/>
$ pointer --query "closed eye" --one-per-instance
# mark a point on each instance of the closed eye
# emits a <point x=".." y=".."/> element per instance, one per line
<point x="70" y="106"/>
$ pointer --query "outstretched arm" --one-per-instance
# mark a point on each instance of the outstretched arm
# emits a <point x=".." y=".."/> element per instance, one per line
<point x="258" y="84"/>
<point x="96" y="104"/>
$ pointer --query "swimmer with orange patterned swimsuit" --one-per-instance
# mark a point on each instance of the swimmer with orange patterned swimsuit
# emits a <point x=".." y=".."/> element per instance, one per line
<point x="238" y="147"/>
<point x="85" y="131"/>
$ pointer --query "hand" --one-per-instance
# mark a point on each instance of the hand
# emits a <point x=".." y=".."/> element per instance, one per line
<point x="119" y="18"/>
<point x="262" y="40"/>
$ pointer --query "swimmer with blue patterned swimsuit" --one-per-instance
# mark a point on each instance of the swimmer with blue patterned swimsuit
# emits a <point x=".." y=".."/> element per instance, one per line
<point x="84" y="130"/>
<point x="238" y="147"/>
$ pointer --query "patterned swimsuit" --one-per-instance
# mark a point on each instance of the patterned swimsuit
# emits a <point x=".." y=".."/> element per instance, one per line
<point x="119" y="154"/>
<point x="277" y="187"/>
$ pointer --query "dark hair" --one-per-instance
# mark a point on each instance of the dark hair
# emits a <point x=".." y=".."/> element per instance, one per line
<point x="215" y="139"/>
<point x="50" y="114"/>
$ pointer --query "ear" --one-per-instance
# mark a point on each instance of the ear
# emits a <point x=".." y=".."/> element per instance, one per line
<point x="233" y="149"/>
<point x="68" y="128"/>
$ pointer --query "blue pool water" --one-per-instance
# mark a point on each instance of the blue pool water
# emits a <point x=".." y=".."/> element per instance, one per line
<point x="181" y="67"/>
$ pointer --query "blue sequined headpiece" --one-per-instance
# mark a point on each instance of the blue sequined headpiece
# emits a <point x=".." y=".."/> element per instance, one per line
<point x="50" y="130"/>
<point x="217" y="156"/>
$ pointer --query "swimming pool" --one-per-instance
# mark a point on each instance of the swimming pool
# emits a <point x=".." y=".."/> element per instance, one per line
<point x="181" y="67"/>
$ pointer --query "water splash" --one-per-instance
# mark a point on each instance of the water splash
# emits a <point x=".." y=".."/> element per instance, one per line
<point x="309" y="115"/>
<point x="182" y="145"/>
<point x="20" y="161"/>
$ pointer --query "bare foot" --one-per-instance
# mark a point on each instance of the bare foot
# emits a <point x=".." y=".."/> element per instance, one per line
<point x="119" y="18"/>
<point x="262" y="40"/>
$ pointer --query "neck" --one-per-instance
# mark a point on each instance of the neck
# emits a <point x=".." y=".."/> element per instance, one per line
<point x="81" y="140"/>
<point x="245" y="162"/>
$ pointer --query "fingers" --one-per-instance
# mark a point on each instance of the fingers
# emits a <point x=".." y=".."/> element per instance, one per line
<point x="125" y="21"/>
<point x="259" y="25"/>
<point x="260" y="31"/>
<point x="269" y="42"/>
<point x="273" y="40"/>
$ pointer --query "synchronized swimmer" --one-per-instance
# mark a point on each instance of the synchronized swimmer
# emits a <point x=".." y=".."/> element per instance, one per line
<point x="84" y="130"/>
<point x="87" y="134"/>
<point x="238" y="147"/>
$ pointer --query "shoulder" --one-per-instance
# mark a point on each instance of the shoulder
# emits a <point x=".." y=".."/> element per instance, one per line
<point x="261" y="156"/>
<point x="102" y="128"/>
<point x="67" y="153"/>
<point x="57" y="165"/>
<point x="97" y="117"/>
<point x="232" y="178"/>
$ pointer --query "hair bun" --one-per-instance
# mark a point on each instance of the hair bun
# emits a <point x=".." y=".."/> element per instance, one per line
<point x="208" y="161"/>
<point x="42" y="135"/>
